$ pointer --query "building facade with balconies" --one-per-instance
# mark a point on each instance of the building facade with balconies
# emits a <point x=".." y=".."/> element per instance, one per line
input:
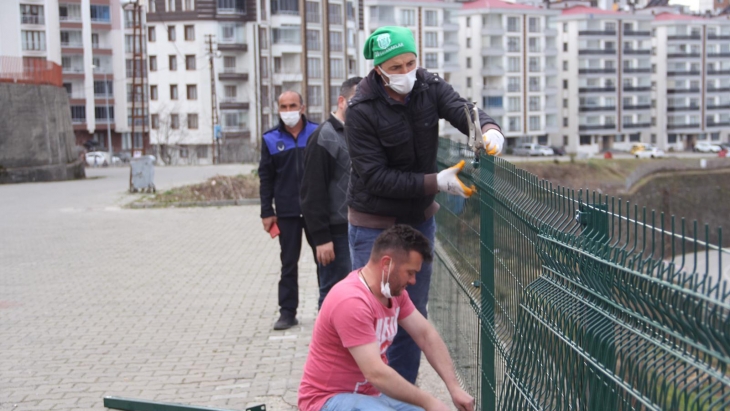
<point x="509" y="67"/>
<point x="605" y="79"/>
<point x="692" y="80"/>
<point x="30" y="30"/>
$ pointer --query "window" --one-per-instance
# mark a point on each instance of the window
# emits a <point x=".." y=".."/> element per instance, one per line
<point x="468" y="22"/>
<point x="336" y="41"/>
<point x="335" y="13"/>
<point x="432" y="19"/>
<point x="565" y="65"/>
<point x="513" y="24"/>
<point x="232" y="6"/>
<point x="513" y="64"/>
<point x="432" y="60"/>
<point x="513" y="44"/>
<point x="534" y="122"/>
<point x="33" y="40"/>
<point x="314" y="96"/>
<point x="190" y="62"/>
<point x="351" y="67"/>
<point x="407" y="17"/>
<point x="102" y="88"/>
<point x="153" y="93"/>
<point x="468" y="42"/>
<point x="100" y="13"/>
<point x="172" y="63"/>
<point x="534" y="64"/>
<point x="31" y="14"/>
<point x="153" y="63"/>
<point x="155" y="121"/>
<point x="277" y="64"/>
<point x="151" y="34"/>
<point x="337" y="69"/>
<point x="173" y="91"/>
<point x="201" y="150"/>
<point x="229" y="64"/>
<point x="534" y="103"/>
<point x="534" y="83"/>
<point x="170" y="5"/>
<point x="312" y="12"/>
<point x="565" y="84"/>
<point x="189" y="5"/>
<point x="189" y="32"/>
<point x="313" y="41"/>
<point x="192" y="121"/>
<point x="565" y="27"/>
<point x="565" y="121"/>
<point x="513" y="84"/>
<point x="170" y="33"/>
<point x="104" y="114"/>
<point x="263" y="38"/>
<point x="78" y="114"/>
<point x="585" y="140"/>
<point x="432" y="39"/>
<point x="314" y="67"/>
<point x="192" y="91"/>
<point x="230" y="92"/>
<point x="513" y="124"/>
<point x="534" y="24"/>
<point x="468" y="82"/>
<point x="565" y="46"/>
<point x="514" y="104"/>
<point x="534" y="44"/>
<point x="174" y="121"/>
<point x="565" y="103"/>
<point x="468" y="62"/>
<point x="264" y="67"/>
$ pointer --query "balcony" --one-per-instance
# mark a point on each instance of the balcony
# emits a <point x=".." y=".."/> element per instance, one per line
<point x="683" y="90"/>
<point x="685" y="37"/>
<point x="632" y="33"/>
<point x="718" y="55"/>
<point x="645" y="52"/>
<point x="77" y="69"/>
<point x="597" y="70"/>
<point x="551" y="31"/>
<point x="637" y="125"/>
<point x="451" y="66"/>
<point x="492" y="30"/>
<point x="73" y="44"/>
<point x="232" y="75"/>
<point x="683" y="55"/>
<point x="718" y="72"/>
<point x="492" y="71"/>
<point x="489" y="91"/>
<point x="684" y="108"/>
<point x="718" y="124"/>
<point x="70" y="19"/>
<point x="683" y="73"/>
<point x="718" y="37"/>
<point x="78" y="120"/>
<point x="492" y="51"/>
<point x="587" y="127"/>
<point x="683" y="126"/>
<point x="32" y="19"/>
<point x="718" y="107"/>
<point x="596" y="89"/>
<point x="232" y="45"/>
<point x="636" y="88"/>
<point x="596" y="108"/>
<point x="551" y="70"/>
<point x="234" y="128"/>
<point x="597" y="32"/>
<point x="646" y="70"/>
<point x="596" y="51"/>
<point x="718" y="89"/>
<point x="551" y="51"/>
<point x="450" y="47"/>
<point x="630" y="107"/>
<point x="494" y="110"/>
<point x="232" y="104"/>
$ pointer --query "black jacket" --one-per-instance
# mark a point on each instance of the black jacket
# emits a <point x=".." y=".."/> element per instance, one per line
<point x="393" y="146"/>
<point x="281" y="169"/>
<point x="324" y="186"/>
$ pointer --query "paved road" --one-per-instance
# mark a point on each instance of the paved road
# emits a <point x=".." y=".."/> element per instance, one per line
<point x="161" y="304"/>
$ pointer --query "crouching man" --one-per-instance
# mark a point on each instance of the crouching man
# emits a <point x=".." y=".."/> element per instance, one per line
<point x="347" y="367"/>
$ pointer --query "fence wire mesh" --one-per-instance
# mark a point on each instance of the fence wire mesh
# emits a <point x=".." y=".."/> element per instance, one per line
<point x="556" y="299"/>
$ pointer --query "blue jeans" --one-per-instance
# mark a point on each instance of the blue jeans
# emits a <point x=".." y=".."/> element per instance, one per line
<point x="403" y="355"/>
<point x="358" y="402"/>
<point x="338" y="269"/>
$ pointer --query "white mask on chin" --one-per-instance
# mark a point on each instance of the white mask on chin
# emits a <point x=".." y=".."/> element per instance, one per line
<point x="384" y="284"/>
<point x="290" y="118"/>
<point x="400" y="83"/>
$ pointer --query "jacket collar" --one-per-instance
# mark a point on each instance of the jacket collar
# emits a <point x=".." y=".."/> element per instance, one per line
<point x="336" y="123"/>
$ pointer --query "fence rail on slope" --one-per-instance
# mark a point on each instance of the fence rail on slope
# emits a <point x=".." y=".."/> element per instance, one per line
<point x="578" y="300"/>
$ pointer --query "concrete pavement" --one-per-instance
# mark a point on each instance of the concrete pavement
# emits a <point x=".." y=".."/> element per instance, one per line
<point x="162" y="304"/>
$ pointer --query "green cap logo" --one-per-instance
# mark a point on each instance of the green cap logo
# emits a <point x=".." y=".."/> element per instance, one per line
<point x="384" y="40"/>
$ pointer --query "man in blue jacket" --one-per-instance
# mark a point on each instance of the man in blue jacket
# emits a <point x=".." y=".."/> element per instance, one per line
<point x="280" y="171"/>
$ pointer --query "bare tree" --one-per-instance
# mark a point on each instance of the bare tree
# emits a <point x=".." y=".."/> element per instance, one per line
<point x="170" y="134"/>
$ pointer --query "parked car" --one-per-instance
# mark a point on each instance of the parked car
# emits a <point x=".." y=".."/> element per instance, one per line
<point x="124" y="156"/>
<point x="531" y="149"/>
<point x="706" y="147"/>
<point x="637" y="147"/>
<point x="558" y="151"/>
<point x="650" y="152"/>
<point x="100" y="159"/>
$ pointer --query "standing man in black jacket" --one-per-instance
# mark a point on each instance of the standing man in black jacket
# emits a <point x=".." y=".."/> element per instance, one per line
<point x="392" y="133"/>
<point x="324" y="193"/>
<point x="280" y="171"/>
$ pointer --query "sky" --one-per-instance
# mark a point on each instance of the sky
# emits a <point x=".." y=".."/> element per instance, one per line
<point x="693" y="4"/>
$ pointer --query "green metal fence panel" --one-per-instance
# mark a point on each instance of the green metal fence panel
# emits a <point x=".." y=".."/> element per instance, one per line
<point x="555" y="299"/>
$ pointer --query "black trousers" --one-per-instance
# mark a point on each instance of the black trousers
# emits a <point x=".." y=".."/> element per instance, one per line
<point x="290" y="240"/>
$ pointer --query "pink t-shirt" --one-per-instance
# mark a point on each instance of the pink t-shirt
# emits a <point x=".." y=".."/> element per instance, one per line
<point x="350" y="316"/>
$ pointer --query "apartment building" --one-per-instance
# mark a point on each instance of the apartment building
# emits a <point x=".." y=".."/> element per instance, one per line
<point x="692" y="80"/>
<point x="29" y="30"/>
<point x="605" y="79"/>
<point x="510" y="67"/>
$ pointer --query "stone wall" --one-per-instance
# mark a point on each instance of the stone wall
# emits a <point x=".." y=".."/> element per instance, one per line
<point x="36" y="135"/>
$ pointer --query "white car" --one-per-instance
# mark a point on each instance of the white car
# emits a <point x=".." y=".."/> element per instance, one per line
<point x="707" y="147"/>
<point x="531" y="149"/>
<point x="650" y="152"/>
<point x="100" y="159"/>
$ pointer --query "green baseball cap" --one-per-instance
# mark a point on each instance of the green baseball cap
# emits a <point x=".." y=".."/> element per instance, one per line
<point x="388" y="42"/>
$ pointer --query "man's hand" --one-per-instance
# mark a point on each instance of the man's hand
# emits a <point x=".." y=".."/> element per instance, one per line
<point x="493" y="142"/>
<point x="268" y="222"/>
<point x="326" y="253"/>
<point x="462" y="399"/>
<point x="448" y="182"/>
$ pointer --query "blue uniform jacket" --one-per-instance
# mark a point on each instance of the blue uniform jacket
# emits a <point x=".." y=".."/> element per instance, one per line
<point x="281" y="170"/>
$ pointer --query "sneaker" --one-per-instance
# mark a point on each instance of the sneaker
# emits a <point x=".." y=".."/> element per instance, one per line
<point x="285" y="322"/>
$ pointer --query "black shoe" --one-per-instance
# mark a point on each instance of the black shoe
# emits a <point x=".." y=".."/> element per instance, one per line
<point x="285" y="322"/>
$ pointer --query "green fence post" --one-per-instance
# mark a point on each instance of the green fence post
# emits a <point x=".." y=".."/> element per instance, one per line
<point x="486" y="234"/>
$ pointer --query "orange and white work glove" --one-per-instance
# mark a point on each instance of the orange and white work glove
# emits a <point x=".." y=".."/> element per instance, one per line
<point x="493" y="142"/>
<point x="448" y="182"/>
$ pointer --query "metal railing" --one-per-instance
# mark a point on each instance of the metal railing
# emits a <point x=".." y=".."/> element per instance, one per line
<point x="16" y="70"/>
<point x="556" y="299"/>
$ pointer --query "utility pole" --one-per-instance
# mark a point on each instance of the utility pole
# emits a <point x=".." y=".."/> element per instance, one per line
<point x="213" y="97"/>
<point x="303" y="34"/>
<point x="139" y="73"/>
<point x="326" y="58"/>
<point x="108" y="119"/>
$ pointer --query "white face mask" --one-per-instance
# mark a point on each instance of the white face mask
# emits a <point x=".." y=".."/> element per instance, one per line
<point x="400" y="83"/>
<point x="384" y="284"/>
<point x="290" y="118"/>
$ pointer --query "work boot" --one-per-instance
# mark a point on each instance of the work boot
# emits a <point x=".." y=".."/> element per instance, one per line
<point x="285" y="322"/>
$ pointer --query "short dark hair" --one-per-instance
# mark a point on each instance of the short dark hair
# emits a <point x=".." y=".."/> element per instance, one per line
<point x="301" y="100"/>
<point x="402" y="238"/>
<point x="348" y="86"/>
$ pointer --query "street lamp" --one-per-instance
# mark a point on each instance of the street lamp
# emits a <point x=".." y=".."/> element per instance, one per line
<point x="106" y="110"/>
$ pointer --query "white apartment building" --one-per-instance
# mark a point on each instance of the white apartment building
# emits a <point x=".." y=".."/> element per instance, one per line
<point x="29" y="30"/>
<point x="182" y="37"/>
<point x="605" y="79"/>
<point x="510" y="67"/>
<point x="692" y="80"/>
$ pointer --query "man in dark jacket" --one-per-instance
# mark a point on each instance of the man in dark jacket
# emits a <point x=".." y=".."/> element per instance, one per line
<point x="324" y="193"/>
<point x="280" y="171"/>
<point x="392" y="134"/>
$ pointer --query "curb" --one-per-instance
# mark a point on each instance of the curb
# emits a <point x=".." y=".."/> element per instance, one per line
<point x="215" y="203"/>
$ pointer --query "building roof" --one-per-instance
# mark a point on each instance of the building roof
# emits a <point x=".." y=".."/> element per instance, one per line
<point x="673" y="16"/>
<point x="589" y="10"/>
<point x="496" y="4"/>
<point x="657" y="3"/>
